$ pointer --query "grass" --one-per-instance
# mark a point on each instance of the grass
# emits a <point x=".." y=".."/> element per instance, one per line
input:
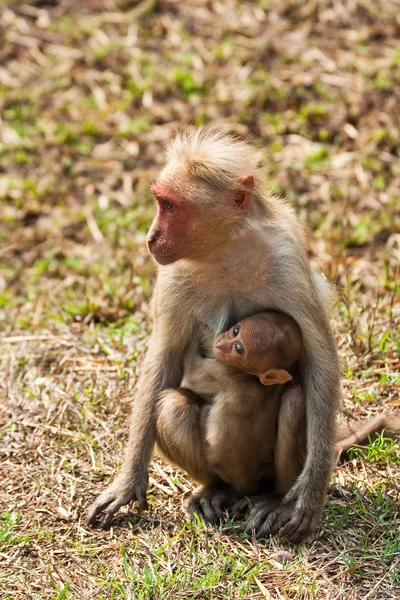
<point x="89" y="94"/>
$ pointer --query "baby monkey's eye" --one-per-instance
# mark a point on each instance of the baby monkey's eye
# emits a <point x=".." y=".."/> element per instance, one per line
<point x="239" y="348"/>
<point x="236" y="330"/>
<point x="169" y="207"/>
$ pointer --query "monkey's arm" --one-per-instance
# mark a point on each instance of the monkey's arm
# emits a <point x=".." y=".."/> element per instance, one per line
<point x="321" y="382"/>
<point x="294" y="292"/>
<point x="202" y="375"/>
<point x="162" y="369"/>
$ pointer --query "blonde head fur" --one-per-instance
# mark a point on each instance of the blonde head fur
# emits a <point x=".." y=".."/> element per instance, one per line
<point x="214" y="156"/>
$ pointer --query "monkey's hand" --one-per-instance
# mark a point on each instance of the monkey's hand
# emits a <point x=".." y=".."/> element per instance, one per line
<point x="306" y="517"/>
<point x="122" y="491"/>
<point x="287" y="518"/>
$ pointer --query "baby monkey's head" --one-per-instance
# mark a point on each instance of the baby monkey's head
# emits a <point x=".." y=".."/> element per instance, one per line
<point x="265" y="345"/>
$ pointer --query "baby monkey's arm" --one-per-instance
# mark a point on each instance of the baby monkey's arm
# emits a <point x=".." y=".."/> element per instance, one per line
<point x="202" y="375"/>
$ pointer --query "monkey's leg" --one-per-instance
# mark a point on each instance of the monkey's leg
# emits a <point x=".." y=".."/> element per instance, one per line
<point x="179" y="435"/>
<point x="180" y="439"/>
<point x="269" y="515"/>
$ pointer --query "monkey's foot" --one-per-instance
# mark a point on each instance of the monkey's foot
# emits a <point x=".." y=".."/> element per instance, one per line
<point x="212" y="502"/>
<point x="268" y="516"/>
<point x="120" y="492"/>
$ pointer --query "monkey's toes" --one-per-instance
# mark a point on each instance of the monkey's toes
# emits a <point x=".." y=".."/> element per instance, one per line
<point x="240" y="508"/>
<point x="201" y="507"/>
<point x="213" y="502"/>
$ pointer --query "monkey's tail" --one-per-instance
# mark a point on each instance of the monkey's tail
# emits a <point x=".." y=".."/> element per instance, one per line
<point x="358" y="433"/>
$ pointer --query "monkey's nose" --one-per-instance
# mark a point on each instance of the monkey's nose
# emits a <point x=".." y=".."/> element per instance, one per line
<point x="217" y="343"/>
<point x="152" y="237"/>
<point x="219" y="348"/>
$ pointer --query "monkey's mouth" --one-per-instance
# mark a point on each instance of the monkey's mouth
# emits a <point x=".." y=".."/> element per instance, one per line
<point x="164" y="259"/>
<point x="219" y="351"/>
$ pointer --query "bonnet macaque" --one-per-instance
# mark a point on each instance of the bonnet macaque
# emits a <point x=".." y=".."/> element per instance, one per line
<point x="238" y="438"/>
<point x="227" y="248"/>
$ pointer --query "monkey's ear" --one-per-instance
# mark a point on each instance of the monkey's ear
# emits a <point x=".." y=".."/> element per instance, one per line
<point x="273" y="376"/>
<point x="242" y="192"/>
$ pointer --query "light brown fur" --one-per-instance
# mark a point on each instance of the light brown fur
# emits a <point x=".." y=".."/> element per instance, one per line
<point x="209" y="275"/>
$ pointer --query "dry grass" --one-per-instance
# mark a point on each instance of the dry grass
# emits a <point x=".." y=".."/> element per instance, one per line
<point x="88" y="97"/>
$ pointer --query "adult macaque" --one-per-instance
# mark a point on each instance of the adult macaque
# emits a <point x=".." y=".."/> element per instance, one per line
<point x="228" y="249"/>
<point x="237" y="438"/>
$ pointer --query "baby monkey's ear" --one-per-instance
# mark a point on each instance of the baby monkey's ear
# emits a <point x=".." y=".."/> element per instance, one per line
<point x="273" y="376"/>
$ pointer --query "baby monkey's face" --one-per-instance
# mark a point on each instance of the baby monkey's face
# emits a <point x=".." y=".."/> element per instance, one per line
<point x="257" y="344"/>
<point x="238" y="347"/>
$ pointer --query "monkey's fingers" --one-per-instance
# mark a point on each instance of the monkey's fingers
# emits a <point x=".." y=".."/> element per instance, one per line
<point x="98" y="505"/>
<point x="303" y="523"/>
<point x="268" y="516"/>
<point x="110" y="512"/>
<point x="194" y="507"/>
<point x="211" y="509"/>
<point x="202" y="505"/>
<point x="219" y="504"/>
<point x="277" y="519"/>
<point x="258" y="515"/>
<point x="112" y="499"/>
<point x="292" y="495"/>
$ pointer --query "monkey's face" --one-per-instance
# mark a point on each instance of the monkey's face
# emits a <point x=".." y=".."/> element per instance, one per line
<point x="238" y="347"/>
<point x="169" y="236"/>
<point x="248" y="346"/>
<point x="179" y="229"/>
<point x="196" y="221"/>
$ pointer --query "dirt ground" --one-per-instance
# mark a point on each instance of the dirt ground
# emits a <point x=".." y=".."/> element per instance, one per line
<point x="90" y="92"/>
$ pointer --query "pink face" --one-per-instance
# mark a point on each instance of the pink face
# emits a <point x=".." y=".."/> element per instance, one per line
<point x="168" y="238"/>
<point x="189" y="229"/>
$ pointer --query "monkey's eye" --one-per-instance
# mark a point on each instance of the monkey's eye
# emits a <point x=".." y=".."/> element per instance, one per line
<point x="239" y="348"/>
<point x="236" y="330"/>
<point x="168" y="206"/>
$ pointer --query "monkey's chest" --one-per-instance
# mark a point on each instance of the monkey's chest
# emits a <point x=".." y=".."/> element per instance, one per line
<point x="217" y="313"/>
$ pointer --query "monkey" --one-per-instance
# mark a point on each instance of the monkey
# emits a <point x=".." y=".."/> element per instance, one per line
<point x="213" y="217"/>
<point x="238" y="424"/>
<point x="265" y="345"/>
<point x="226" y="249"/>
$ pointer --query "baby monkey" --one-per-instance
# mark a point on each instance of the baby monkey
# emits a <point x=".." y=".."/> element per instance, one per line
<point x="266" y="345"/>
<point x="235" y="434"/>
